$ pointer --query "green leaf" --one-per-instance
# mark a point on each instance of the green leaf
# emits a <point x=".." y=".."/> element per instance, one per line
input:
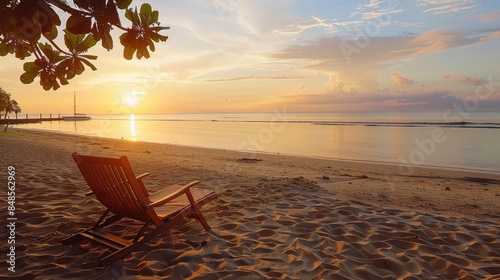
<point x="140" y="53"/>
<point x="65" y="64"/>
<point x="48" y="12"/>
<point x="79" y="68"/>
<point x="128" y="52"/>
<point x="104" y="35"/>
<point x="93" y="57"/>
<point x="129" y="39"/>
<point x="47" y="50"/>
<point x="70" y="75"/>
<point x="23" y="51"/>
<point x="137" y="20"/>
<point x="129" y="14"/>
<point x="111" y="13"/>
<point x="154" y="16"/>
<point x="31" y="29"/>
<point x="89" y="64"/>
<point x="158" y="28"/>
<point x="5" y="49"/>
<point x="157" y="37"/>
<point x="48" y="84"/>
<point x="133" y="16"/>
<point x="63" y="80"/>
<point x="146" y="10"/>
<point x="74" y="41"/>
<point x="52" y="34"/>
<point x="107" y="41"/>
<point x="28" y="77"/>
<point x="151" y="46"/>
<point x="79" y="24"/>
<point x="86" y="44"/>
<point x="31" y="67"/>
<point x="69" y="44"/>
<point x="32" y="70"/>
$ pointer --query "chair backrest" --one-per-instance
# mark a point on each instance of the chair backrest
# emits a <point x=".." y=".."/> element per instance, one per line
<point x="114" y="184"/>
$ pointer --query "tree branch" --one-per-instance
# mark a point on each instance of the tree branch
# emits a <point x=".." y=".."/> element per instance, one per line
<point x="36" y="50"/>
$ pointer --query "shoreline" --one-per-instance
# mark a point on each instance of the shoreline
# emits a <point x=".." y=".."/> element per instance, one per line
<point x="276" y="217"/>
<point x="390" y="164"/>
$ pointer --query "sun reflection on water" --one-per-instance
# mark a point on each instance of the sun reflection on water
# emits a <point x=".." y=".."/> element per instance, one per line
<point x="133" y="133"/>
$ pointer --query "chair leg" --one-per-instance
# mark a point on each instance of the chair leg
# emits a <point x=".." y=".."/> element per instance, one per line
<point x="78" y="236"/>
<point x="72" y="239"/>
<point x="101" y="219"/>
<point x="197" y="210"/>
<point x="141" y="231"/>
<point x="130" y="248"/>
<point x="120" y="254"/>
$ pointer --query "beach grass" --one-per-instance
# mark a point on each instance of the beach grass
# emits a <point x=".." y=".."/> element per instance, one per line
<point x="12" y="134"/>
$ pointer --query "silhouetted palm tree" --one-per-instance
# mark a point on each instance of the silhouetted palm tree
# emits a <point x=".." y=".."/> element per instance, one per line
<point x="3" y="103"/>
<point x="17" y="110"/>
<point x="7" y="104"/>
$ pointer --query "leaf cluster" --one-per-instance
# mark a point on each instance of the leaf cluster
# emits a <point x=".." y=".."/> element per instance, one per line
<point x="31" y="27"/>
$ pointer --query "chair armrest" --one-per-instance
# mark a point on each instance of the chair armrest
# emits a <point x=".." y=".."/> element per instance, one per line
<point x="142" y="176"/>
<point x="164" y="198"/>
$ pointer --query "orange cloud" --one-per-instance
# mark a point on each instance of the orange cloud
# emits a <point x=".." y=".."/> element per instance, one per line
<point x="491" y="36"/>
<point x="489" y="17"/>
<point x="466" y="80"/>
<point x="437" y="40"/>
<point x="401" y="80"/>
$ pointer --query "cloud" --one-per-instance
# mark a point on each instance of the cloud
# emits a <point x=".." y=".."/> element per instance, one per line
<point x="375" y="9"/>
<point x="466" y="80"/>
<point x="348" y="22"/>
<point x="446" y="6"/>
<point x="336" y="86"/>
<point x="439" y="40"/>
<point x="379" y="13"/>
<point x="488" y="17"/>
<point x="374" y="4"/>
<point x="414" y="24"/>
<point x="470" y="80"/>
<point x="252" y="77"/>
<point x="490" y="36"/>
<point x="243" y="35"/>
<point x="335" y="51"/>
<point x="401" y="80"/>
<point x="431" y="97"/>
<point x="297" y="28"/>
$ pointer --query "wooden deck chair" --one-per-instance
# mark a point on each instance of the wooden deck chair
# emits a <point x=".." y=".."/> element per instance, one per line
<point x="114" y="184"/>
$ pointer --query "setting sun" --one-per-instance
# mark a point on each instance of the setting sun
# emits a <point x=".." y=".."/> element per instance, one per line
<point x="132" y="98"/>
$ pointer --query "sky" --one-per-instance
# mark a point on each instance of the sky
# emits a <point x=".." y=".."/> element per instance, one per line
<point x="305" y="56"/>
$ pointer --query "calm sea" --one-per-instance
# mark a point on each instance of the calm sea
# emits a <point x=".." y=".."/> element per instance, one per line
<point x="452" y="139"/>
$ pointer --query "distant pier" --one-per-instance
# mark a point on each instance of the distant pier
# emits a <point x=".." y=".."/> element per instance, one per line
<point x="39" y="119"/>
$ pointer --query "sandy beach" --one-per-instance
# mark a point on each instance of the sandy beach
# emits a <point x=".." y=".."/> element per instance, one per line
<point x="277" y="217"/>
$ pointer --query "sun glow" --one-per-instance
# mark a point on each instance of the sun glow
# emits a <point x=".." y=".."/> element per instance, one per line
<point x="133" y="98"/>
